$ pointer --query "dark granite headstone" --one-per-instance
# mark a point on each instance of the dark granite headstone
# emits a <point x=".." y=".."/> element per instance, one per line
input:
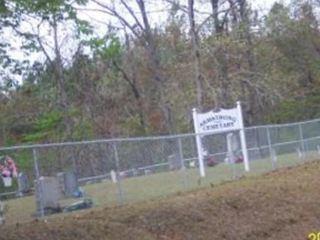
<point x="70" y="183"/>
<point x="48" y="193"/>
<point x="23" y="183"/>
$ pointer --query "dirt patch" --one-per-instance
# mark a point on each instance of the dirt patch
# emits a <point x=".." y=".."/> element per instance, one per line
<point x="278" y="205"/>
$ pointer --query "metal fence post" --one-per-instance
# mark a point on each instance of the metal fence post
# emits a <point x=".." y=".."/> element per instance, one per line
<point x="305" y="139"/>
<point x="302" y="141"/>
<point x="234" y="171"/>
<point x="119" y="185"/>
<point x="273" y="162"/>
<point x="38" y="182"/>
<point x="74" y="161"/>
<point x="183" y="168"/>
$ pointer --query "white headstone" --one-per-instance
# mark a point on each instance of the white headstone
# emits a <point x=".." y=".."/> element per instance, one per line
<point x="147" y="171"/>
<point x="299" y="152"/>
<point x="113" y="176"/>
<point x="192" y="164"/>
<point x="135" y="172"/>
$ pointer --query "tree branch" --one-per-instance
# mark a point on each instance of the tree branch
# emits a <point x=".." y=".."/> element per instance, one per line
<point x="132" y="14"/>
<point x="113" y="12"/>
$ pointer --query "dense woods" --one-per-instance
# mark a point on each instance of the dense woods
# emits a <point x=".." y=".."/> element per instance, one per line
<point x="138" y="76"/>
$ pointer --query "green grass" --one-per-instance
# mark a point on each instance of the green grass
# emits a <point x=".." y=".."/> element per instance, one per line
<point x="157" y="185"/>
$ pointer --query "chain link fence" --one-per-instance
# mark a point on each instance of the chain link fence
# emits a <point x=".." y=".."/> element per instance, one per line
<point x="120" y="171"/>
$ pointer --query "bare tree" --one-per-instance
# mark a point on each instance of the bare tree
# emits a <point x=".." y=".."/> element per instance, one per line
<point x="141" y="29"/>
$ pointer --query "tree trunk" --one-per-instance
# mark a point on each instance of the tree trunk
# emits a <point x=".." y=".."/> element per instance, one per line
<point x="217" y="27"/>
<point x="60" y="79"/>
<point x="155" y="66"/>
<point x="221" y="58"/>
<point x="251" y="108"/>
<point x="136" y="94"/>
<point x="62" y="96"/>
<point x="196" y="55"/>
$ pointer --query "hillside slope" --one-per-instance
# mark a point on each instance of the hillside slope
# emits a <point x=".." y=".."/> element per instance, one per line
<point x="280" y="205"/>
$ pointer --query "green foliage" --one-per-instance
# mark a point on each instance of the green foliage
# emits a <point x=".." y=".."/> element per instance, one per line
<point x="50" y="127"/>
<point x="298" y="109"/>
<point x="47" y="7"/>
<point x="107" y="48"/>
<point x="128" y="85"/>
<point x="45" y="127"/>
<point x="83" y="27"/>
<point x="3" y="8"/>
<point x="82" y="128"/>
<point x="132" y="126"/>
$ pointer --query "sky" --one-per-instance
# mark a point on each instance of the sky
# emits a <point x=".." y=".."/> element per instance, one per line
<point x="266" y="4"/>
<point x="99" y="20"/>
<point x="96" y="18"/>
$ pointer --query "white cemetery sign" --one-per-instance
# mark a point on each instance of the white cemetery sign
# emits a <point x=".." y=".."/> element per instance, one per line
<point x="224" y="120"/>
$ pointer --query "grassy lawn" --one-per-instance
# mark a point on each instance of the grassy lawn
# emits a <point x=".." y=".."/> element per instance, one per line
<point x="278" y="205"/>
<point x="158" y="185"/>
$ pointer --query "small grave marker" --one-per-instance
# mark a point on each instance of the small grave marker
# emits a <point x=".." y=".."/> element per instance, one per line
<point x="23" y="183"/>
<point x="300" y="155"/>
<point x="174" y="162"/>
<point x="113" y="176"/>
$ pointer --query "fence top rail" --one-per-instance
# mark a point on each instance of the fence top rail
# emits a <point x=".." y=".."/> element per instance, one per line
<point x="112" y="140"/>
<point x="283" y="124"/>
<point x="135" y="139"/>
